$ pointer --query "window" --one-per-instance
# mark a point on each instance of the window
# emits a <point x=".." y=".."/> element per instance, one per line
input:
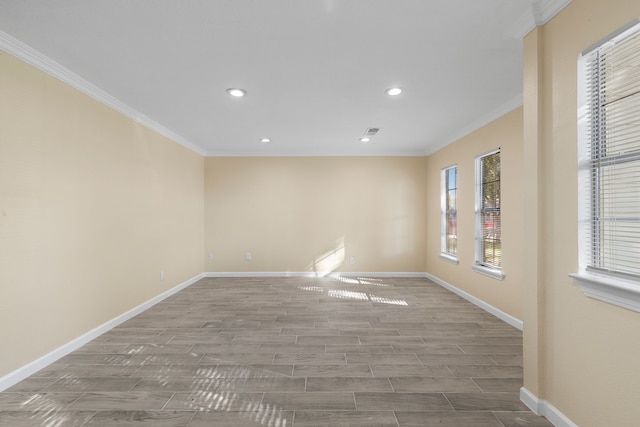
<point x="609" y="167"/>
<point x="488" y="223"/>
<point x="449" y="197"/>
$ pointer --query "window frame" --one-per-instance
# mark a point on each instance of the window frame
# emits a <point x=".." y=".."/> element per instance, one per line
<point x="607" y="286"/>
<point x="480" y="265"/>
<point x="444" y="211"/>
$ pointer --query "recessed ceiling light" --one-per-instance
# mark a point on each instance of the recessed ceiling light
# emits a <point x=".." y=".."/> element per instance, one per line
<point x="265" y="140"/>
<point x="393" y="91"/>
<point x="238" y="93"/>
<point x="365" y="139"/>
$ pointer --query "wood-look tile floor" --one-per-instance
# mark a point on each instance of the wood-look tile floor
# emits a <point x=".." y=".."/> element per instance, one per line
<point x="284" y="352"/>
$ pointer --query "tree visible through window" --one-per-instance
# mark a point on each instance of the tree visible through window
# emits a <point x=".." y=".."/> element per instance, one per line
<point x="488" y="222"/>
<point x="449" y="211"/>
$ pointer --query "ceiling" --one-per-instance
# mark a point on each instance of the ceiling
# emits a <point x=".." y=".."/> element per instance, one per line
<point x="315" y="71"/>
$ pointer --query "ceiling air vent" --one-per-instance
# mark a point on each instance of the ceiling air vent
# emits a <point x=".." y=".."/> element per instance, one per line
<point x="371" y="131"/>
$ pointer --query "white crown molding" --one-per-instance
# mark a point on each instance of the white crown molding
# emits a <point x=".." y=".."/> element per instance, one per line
<point x="540" y="12"/>
<point x="505" y="317"/>
<point x="32" y="57"/>
<point x="545" y="409"/>
<point x="20" y="374"/>
<point x="505" y="108"/>
<point x="545" y="10"/>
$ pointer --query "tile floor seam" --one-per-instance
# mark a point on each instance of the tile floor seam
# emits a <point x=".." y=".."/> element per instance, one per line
<point x="168" y="400"/>
<point x="499" y="420"/>
<point x="476" y="383"/>
<point x="371" y="371"/>
<point x="449" y="401"/>
<point x="395" y="416"/>
<point x="391" y="384"/>
<point x="134" y="385"/>
<point x="88" y="419"/>
<point x="75" y="400"/>
<point x="191" y="419"/>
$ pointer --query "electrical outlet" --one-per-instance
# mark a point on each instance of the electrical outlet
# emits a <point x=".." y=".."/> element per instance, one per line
<point x="162" y="275"/>
<point x="248" y="256"/>
<point x="352" y="260"/>
<point x="210" y="257"/>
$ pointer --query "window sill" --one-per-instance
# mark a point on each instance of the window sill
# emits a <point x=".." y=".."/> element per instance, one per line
<point x="449" y="258"/>
<point x="620" y="292"/>
<point x="488" y="271"/>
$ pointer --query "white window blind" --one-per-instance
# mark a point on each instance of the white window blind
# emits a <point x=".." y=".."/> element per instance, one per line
<point x="612" y="150"/>
<point x="488" y="219"/>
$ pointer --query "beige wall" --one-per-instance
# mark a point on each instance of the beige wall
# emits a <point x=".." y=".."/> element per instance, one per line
<point x="583" y="357"/>
<point x="506" y="134"/>
<point x="92" y="207"/>
<point x="313" y="214"/>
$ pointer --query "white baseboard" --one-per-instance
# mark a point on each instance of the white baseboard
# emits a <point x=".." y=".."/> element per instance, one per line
<point x="530" y="400"/>
<point x="543" y="408"/>
<point x="19" y="374"/>
<point x="506" y="317"/>
<point x="312" y="274"/>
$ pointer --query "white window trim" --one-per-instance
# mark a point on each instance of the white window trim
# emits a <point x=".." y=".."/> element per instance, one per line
<point x="608" y="288"/>
<point x="613" y="290"/>
<point x="478" y="266"/>
<point x="443" y="216"/>
<point x="449" y="258"/>
<point x="496" y="273"/>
